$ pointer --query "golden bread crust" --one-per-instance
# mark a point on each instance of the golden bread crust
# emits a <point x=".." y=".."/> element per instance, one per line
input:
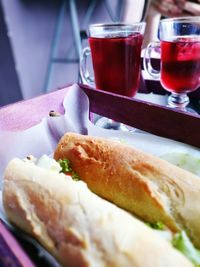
<point x="145" y="185"/>
<point x="76" y="226"/>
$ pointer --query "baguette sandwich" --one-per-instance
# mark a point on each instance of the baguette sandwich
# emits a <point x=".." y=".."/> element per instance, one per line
<point x="149" y="187"/>
<point x="79" y="228"/>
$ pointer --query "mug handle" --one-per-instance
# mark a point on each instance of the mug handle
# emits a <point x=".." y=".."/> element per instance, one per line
<point x="147" y="60"/>
<point x="85" y="76"/>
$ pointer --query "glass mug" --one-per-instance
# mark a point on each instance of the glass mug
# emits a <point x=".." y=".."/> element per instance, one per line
<point x="179" y="49"/>
<point x="116" y="52"/>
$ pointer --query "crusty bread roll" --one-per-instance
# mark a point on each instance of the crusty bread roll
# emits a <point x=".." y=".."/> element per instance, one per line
<point x="149" y="187"/>
<point x="76" y="226"/>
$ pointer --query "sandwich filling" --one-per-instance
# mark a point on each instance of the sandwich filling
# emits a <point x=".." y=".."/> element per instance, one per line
<point x="180" y="240"/>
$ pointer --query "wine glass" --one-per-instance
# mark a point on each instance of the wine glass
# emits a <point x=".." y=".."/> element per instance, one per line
<point x="116" y="50"/>
<point x="179" y="47"/>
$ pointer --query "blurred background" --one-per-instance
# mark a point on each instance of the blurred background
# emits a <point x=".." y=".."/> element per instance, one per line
<point x="41" y="40"/>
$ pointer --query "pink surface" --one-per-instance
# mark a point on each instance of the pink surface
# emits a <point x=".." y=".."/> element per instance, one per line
<point x="24" y="114"/>
<point x="15" y="247"/>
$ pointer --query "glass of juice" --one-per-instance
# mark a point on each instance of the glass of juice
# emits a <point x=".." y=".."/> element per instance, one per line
<point x="179" y="49"/>
<point x="116" y="52"/>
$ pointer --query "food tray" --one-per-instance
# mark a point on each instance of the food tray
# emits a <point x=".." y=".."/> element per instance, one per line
<point x="146" y="116"/>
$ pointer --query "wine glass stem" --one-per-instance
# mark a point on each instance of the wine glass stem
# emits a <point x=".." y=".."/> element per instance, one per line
<point x="179" y="101"/>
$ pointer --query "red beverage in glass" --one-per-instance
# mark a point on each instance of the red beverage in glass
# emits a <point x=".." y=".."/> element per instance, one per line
<point x="116" y="63"/>
<point x="180" y="65"/>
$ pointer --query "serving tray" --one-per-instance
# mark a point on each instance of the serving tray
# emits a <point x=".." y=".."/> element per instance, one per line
<point x="147" y="116"/>
<point x="150" y="117"/>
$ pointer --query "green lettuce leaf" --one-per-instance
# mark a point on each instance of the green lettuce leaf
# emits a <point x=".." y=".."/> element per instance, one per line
<point x="181" y="242"/>
<point x="157" y="225"/>
<point x="66" y="168"/>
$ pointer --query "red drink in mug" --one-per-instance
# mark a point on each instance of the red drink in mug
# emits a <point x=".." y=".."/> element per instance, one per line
<point x="116" y="63"/>
<point x="180" y="69"/>
<point x="179" y="45"/>
<point x="115" y="49"/>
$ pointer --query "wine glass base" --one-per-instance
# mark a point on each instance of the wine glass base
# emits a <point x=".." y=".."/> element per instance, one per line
<point x="180" y="102"/>
<point x="106" y="123"/>
<point x="190" y="110"/>
<point x="184" y="109"/>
